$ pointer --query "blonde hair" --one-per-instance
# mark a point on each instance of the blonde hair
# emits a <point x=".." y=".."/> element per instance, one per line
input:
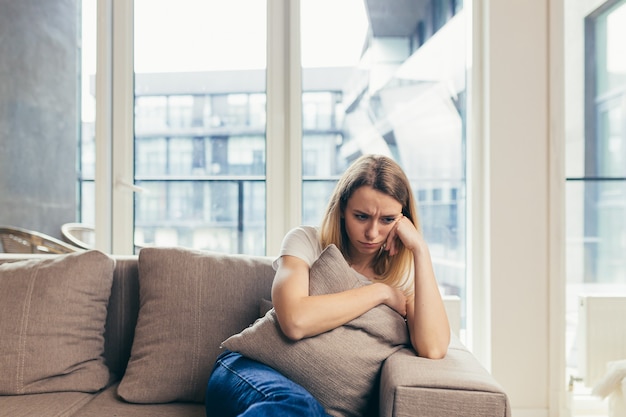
<point x="383" y="174"/>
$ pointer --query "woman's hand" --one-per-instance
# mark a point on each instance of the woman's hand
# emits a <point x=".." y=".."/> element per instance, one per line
<point x="403" y="231"/>
<point x="426" y="316"/>
<point x="395" y="299"/>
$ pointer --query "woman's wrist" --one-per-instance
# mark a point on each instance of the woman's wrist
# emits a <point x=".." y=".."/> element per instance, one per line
<point x="383" y="293"/>
<point x="420" y="248"/>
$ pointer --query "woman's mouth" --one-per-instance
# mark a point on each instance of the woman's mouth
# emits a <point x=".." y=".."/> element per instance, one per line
<point x="370" y="245"/>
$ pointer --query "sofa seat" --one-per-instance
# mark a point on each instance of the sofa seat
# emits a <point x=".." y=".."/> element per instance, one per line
<point x="54" y="404"/>
<point x="108" y="403"/>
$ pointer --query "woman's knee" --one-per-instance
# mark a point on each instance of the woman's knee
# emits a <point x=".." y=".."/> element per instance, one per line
<point x="238" y="384"/>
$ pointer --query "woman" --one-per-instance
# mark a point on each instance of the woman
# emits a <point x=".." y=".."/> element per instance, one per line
<point x="372" y="219"/>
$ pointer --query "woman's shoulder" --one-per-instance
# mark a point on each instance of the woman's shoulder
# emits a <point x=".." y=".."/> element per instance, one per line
<point x="302" y="242"/>
<point x="312" y="232"/>
<point x="304" y="237"/>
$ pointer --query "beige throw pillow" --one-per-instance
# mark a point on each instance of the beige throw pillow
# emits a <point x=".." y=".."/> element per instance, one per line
<point x="339" y="367"/>
<point x="190" y="301"/>
<point x="53" y="311"/>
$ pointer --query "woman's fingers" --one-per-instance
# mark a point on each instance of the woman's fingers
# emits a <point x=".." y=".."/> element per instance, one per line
<point x="403" y="231"/>
<point x="392" y="237"/>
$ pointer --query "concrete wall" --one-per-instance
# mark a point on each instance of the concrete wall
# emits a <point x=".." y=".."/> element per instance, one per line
<point x="39" y="106"/>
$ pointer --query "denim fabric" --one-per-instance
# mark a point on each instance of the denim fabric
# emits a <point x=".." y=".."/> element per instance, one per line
<point x="240" y="386"/>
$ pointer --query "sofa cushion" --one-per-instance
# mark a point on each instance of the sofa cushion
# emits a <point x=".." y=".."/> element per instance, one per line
<point x="339" y="367"/>
<point x="108" y="403"/>
<point x="51" y="404"/>
<point x="189" y="302"/>
<point x="53" y="313"/>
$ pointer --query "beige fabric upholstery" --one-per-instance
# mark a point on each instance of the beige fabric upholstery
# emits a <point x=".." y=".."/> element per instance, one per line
<point x="53" y="314"/>
<point x="419" y="387"/>
<point x="338" y="367"/>
<point x="109" y="404"/>
<point x="122" y="315"/>
<point x="55" y="404"/>
<point x="461" y="385"/>
<point x="189" y="302"/>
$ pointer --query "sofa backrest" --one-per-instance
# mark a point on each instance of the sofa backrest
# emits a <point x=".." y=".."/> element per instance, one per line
<point x="124" y="302"/>
<point x="122" y="314"/>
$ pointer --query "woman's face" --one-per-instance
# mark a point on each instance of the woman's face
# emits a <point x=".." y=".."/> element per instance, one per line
<point x="369" y="217"/>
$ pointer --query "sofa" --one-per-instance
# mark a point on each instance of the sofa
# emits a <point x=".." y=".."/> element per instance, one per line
<point x="88" y="334"/>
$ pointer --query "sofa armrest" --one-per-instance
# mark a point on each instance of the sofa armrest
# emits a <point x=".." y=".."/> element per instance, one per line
<point x="457" y="385"/>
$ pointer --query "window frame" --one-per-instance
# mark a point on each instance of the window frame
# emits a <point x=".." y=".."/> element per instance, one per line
<point x="114" y="176"/>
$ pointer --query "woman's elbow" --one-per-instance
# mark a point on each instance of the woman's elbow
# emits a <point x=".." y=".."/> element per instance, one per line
<point x="292" y="330"/>
<point x="433" y="353"/>
<point x="432" y="350"/>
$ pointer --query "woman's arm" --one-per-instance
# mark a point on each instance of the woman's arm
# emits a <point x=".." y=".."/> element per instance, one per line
<point x="426" y="315"/>
<point x="301" y="315"/>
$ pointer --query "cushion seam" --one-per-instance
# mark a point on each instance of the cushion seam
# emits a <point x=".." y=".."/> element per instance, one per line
<point x="21" y="352"/>
<point x="195" y="358"/>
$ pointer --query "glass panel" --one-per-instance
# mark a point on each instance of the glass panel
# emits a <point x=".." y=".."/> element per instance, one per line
<point x="596" y="232"/>
<point x="610" y="97"/>
<point x="595" y="262"/>
<point x="595" y="187"/>
<point x="174" y="213"/>
<point x="383" y="83"/>
<point x="46" y="112"/>
<point x="611" y="138"/>
<point x="200" y="124"/>
<point x="610" y="33"/>
<point x="87" y="142"/>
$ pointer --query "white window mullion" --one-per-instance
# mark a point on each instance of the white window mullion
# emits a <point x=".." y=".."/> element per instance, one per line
<point x="122" y="128"/>
<point x="284" y="132"/>
<point x="478" y="291"/>
<point x="104" y="96"/>
<point x="114" y="127"/>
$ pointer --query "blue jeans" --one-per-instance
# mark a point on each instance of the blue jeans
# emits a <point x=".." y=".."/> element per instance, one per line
<point x="240" y="386"/>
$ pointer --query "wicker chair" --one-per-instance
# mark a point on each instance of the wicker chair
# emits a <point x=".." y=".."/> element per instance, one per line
<point x="79" y="234"/>
<point x="17" y="240"/>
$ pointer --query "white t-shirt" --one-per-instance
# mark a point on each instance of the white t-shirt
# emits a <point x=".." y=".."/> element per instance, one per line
<point x="303" y="242"/>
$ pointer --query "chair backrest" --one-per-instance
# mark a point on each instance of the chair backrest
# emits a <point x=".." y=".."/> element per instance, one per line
<point x="79" y="234"/>
<point x="18" y="240"/>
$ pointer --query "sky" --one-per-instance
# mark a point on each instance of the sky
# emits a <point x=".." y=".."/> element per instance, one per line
<point x="200" y="35"/>
<point x="204" y="35"/>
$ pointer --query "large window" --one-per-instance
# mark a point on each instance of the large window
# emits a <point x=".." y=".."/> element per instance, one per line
<point x="395" y="84"/>
<point x="200" y="125"/>
<point x="391" y="83"/>
<point x="596" y="185"/>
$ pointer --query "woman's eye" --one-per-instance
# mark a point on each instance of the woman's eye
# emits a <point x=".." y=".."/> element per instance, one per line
<point x="388" y="220"/>
<point x="360" y="216"/>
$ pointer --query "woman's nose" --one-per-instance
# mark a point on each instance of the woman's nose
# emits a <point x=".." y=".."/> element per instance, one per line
<point x="371" y="231"/>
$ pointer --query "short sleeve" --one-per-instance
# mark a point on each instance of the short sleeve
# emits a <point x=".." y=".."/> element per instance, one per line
<point x="302" y="242"/>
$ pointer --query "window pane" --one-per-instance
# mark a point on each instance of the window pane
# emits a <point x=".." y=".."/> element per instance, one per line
<point x="596" y="231"/>
<point x="44" y="96"/>
<point x="174" y="213"/>
<point x="596" y="183"/>
<point x="87" y="142"/>
<point x="610" y="32"/>
<point x="200" y="124"/>
<point x="382" y="83"/>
